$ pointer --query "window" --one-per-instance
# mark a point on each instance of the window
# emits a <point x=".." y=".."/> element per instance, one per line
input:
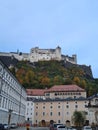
<point x="58" y="106"/>
<point x="67" y="106"/>
<point x="43" y="107"/>
<point x="50" y="113"/>
<point x="32" y="104"/>
<point x="76" y="106"/>
<point x="67" y="113"/>
<point x="58" y="113"/>
<point x="59" y="121"/>
<point x="43" y="113"/>
<point x="51" y="107"/>
<point x="55" y="94"/>
<point x="36" y="113"/>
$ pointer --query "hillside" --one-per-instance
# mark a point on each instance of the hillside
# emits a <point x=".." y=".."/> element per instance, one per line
<point x="44" y="74"/>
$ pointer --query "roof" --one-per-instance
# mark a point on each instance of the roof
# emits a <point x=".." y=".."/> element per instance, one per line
<point x="66" y="88"/>
<point x="35" y="92"/>
<point x="93" y="96"/>
<point x="8" y="60"/>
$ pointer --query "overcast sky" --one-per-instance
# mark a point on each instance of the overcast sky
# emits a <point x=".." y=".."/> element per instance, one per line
<point x="71" y="24"/>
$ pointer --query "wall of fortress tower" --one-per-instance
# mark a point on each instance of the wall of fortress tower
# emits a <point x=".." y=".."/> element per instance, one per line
<point x="37" y="54"/>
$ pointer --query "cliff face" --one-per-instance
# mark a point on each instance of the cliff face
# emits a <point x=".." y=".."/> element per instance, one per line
<point x="87" y="69"/>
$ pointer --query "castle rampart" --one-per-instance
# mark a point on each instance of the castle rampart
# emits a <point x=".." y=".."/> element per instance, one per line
<point x="37" y="54"/>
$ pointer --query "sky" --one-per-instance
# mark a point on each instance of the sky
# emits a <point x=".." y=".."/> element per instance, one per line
<point x="70" y="24"/>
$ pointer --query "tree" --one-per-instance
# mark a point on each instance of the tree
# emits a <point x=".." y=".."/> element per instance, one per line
<point x="76" y="80"/>
<point x="45" y="82"/>
<point x="78" y="118"/>
<point x="58" y="80"/>
<point x="83" y="84"/>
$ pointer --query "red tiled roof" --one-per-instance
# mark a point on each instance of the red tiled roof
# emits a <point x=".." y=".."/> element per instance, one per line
<point x="35" y="92"/>
<point x="56" y="88"/>
<point x="59" y="88"/>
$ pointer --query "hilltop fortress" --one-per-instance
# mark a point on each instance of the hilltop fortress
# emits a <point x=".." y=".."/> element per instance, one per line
<point x="37" y="54"/>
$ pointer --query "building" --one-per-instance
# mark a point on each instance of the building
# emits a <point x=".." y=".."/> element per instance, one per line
<point x="65" y="91"/>
<point x="36" y="93"/>
<point x="93" y="108"/>
<point x="37" y="54"/>
<point x="12" y="97"/>
<point x="59" y="103"/>
<point x="56" y="104"/>
<point x="32" y="94"/>
<point x="58" y="110"/>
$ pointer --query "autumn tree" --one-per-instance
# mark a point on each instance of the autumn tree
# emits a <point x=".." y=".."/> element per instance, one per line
<point x="76" y="80"/>
<point x="45" y="81"/>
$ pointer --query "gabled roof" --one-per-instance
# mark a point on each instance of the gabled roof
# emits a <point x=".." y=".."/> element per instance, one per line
<point x="56" y="88"/>
<point x="35" y="92"/>
<point x="65" y="88"/>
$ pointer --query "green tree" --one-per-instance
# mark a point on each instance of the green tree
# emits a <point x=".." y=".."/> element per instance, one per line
<point x="78" y="118"/>
<point x="58" y="80"/>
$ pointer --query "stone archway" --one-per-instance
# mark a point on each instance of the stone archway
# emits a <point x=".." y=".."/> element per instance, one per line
<point x="51" y="121"/>
<point x="67" y="123"/>
<point x="43" y="123"/>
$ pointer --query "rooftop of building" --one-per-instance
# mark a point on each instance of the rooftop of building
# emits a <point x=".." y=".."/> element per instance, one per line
<point x="8" y="60"/>
<point x="65" y="88"/>
<point x="56" y="88"/>
<point x="35" y="92"/>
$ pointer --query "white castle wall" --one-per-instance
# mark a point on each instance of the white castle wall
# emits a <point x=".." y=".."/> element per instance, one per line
<point x="37" y="54"/>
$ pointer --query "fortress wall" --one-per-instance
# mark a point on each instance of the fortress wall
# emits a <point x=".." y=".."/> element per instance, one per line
<point x="37" y="54"/>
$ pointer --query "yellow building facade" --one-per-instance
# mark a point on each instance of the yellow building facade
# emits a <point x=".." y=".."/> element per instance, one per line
<point x="58" y="104"/>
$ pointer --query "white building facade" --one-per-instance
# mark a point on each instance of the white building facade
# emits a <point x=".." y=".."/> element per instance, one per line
<point x="32" y="94"/>
<point x="12" y="97"/>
